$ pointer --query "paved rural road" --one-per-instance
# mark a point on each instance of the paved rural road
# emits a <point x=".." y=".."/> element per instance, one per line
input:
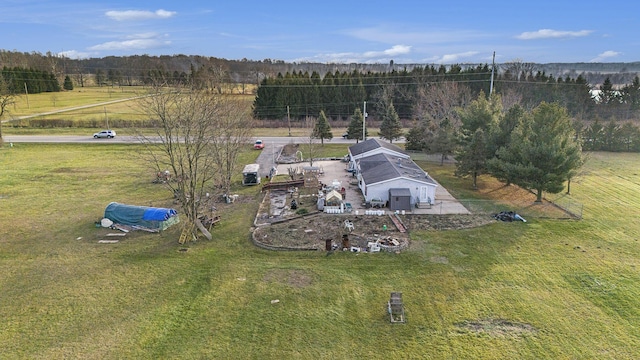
<point x="283" y="140"/>
<point x="266" y="159"/>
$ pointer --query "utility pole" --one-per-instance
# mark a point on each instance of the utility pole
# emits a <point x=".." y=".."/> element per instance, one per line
<point x="289" y="120"/>
<point x="26" y="92"/>
<point x="106" y="117"/>
<point x="493" y="66"/>
<point x="364" y="121"/>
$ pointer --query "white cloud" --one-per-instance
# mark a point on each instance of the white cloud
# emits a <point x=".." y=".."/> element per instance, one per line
<point x="366" y="57"/>
<point x="606" y="55"/>
<point x="452" y="58"/>
<point x="134" y="42"/>
<point x="552" y="34"/>
<point x="74" y="54"/>
<point x="393" y="51"/>
<point x="139" y="14"/>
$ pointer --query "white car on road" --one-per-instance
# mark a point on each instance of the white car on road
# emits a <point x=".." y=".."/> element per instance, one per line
<point x="109" y="134"/>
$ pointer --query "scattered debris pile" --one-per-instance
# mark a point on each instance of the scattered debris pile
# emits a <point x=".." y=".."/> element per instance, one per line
<point x="361" y="243"/>
<point x="388" y="242"/>
<point x="508" y="216"/>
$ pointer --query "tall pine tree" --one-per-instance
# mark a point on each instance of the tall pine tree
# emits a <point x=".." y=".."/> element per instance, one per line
<point x="322" y="129"/>
<point x="478" y="121"/>
<point x="543" y="152"/>
<point x="390" y="128"/>
<point x="68" y="84"/>
<point x="354" y="131"/>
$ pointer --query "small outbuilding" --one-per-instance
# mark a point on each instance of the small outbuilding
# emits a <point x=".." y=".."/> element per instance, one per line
<point x="333" y="198"/>
<point x="399" y="199"/>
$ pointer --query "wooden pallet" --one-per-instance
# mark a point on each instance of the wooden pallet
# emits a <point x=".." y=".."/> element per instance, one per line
<point x="399" y="225"/>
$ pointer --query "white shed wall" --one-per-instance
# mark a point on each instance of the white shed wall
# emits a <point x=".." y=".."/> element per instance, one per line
<point x="381" y="190"/>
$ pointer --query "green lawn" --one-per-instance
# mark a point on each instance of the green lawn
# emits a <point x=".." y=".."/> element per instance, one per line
<point x="544" y="289"/>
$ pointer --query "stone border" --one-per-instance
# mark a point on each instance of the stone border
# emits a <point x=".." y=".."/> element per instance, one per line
<point x="277" y="248"/>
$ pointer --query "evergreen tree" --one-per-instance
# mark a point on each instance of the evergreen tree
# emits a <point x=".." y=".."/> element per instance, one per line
<point x="68" y="84"/>
<point x="390" y="128"/>
<point x="472" y="158"/>
<point x="630" y="137"/>
<point x="322" y="129"/>
<point x="444" y="141"/>
<point x="594" y="136"/>
<point x="328" y="96"/>
<point x="607" y="94"/>
<point x="419" y="137"/>
<point x="611" y="140"/>
<point x="543" y="152"/>
<point x="501" y="138"/>
<point x="631" y="94"/>
<point x="478" y="121"/>
<point x="354" y="131"/>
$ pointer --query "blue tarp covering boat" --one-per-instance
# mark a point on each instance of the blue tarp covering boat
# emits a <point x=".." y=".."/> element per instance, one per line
<point x="141" y="216"/>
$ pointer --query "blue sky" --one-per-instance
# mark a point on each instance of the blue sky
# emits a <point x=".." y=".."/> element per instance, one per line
<point x="430" y="32"/>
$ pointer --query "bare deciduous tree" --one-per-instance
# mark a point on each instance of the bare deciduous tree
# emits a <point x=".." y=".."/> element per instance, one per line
<point x="6" y="99"/>
<point x="198" y="137"/>
<point x="232" y="131"/>
<point x="311" y="140"/>
<point x="439" y="101"/>
<point x="518" y="70"/>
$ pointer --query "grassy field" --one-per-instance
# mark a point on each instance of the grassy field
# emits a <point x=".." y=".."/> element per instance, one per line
<point x="539" y="290"/>
<point x="47" y="102"/>
<point x="106" y="105"/>
<point x="100" y="106"/>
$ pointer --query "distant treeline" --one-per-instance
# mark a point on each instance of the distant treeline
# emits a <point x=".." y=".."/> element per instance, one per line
<point x="32" y="81"/>
<point x="298" y="95"/>
<point x="132" y="70"/>
<point x="415" y="93"/>
<point x="611" y="136"/>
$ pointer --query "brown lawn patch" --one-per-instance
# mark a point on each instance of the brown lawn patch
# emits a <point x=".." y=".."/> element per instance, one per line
<point x="294" y="277"/>
<point x="496" y="327"/>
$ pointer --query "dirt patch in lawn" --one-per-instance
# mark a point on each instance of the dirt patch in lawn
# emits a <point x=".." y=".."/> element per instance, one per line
<point x="445" y="222"/>
<point x="496" y="327"/>
<point x="293" y="278"/>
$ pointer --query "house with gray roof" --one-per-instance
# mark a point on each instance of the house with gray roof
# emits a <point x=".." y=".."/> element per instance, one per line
<point x="372" y="147"/>
<point x="386" y="173"/>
